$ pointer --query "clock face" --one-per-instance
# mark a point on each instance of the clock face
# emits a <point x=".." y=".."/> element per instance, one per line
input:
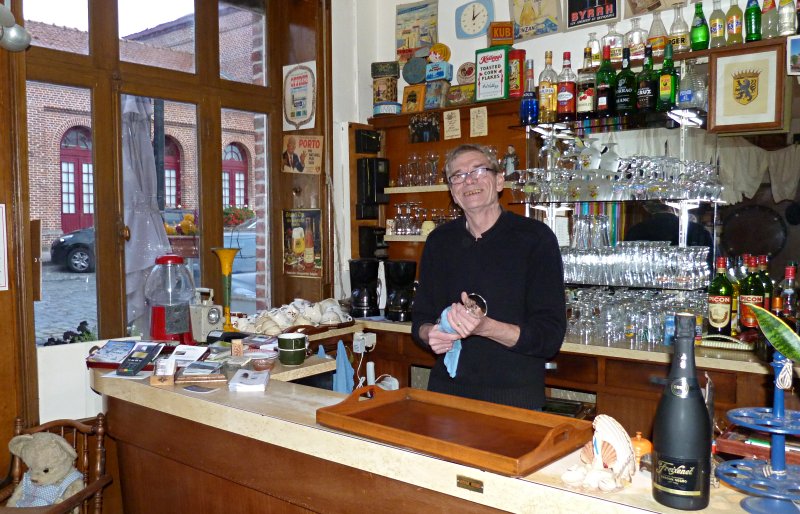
<point x="474" y="18"/>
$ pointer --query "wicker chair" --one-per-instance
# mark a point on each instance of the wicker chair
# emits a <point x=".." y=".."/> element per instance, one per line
<point x="89" y="444"/>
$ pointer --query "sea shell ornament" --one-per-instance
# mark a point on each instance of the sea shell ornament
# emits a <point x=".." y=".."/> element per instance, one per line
<point x="607" y="461"/>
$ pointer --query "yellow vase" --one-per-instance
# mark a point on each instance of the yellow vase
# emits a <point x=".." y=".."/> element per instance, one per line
<point x="226" y="256"/>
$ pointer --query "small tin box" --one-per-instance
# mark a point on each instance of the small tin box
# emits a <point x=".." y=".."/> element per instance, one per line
<point x="385" y="69"/>
<point x="439" y="71"/>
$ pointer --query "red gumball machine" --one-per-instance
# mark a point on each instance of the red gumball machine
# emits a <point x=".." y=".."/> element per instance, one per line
<point x="169" y="290"/>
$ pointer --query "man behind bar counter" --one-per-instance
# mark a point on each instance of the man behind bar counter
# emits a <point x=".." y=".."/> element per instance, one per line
<point x="514" y="264"/>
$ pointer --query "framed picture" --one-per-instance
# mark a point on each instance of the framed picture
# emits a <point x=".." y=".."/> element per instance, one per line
<point x="641" y="7"/>
<point x="746" y="89"/>
<point x="533" y="18"/>
<point x="414" y="98"/>
<point x="302" y="242"/>
<point x="580" y="13"/>
<point x="793" y="55"/>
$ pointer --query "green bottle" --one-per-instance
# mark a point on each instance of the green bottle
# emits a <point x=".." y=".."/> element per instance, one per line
<point x="699" y="34"/>
<point x="667" y="82"/>
<point x="606" y="81"/>
<point x="752" y="21"/>
<point x="647" y="84"/>
<point x="625" y="96"/>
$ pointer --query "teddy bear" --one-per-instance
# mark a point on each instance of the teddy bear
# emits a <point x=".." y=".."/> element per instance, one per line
<point x="51" y="476"/>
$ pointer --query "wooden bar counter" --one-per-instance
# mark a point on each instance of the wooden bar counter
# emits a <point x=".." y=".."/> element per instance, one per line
<point x="263" y="452"/>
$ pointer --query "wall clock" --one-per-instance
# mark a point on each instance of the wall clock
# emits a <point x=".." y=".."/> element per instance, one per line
<point x="473" y="18"/>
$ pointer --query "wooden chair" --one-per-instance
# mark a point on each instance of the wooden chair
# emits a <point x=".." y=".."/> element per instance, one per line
<point x="89" y="443"/>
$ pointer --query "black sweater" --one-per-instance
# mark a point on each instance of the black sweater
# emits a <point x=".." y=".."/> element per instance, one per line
<point x="516" y="267"/>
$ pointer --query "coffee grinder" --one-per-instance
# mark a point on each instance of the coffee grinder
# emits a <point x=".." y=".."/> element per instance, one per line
<point x="364" y="287"/>
<point x="400" y="286"/>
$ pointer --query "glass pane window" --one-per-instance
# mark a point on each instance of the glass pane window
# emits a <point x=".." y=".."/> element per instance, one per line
<point x="68" y="188"/>
<point x="170" y="188"/>
<point x="226" y="192"/>
<point x="50" y="22"/>
<point x="164" y="38"/>
<point x="240" y="189"/>
<point x="242" y="50"/>
<point x="87" y="179"/>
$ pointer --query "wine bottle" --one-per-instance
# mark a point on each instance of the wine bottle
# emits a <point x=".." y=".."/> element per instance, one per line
<point x="734" y="22"/>
<point x="720" y="298"/>
<point x="548" y="80"/>
<point x="699" y="34"/>
<point x="565" y="96"/>
<point x="751" y="292"/>
<point x="586" y="87"/>
<point x="752" y="22"/>
<point x="766" y="280"/>
<point x="647" y="84"/>
<point x="734" y="279"/>
<point x="625" y="95"/>
<point x="606" y="81"/>
<point x="682" y="430"/>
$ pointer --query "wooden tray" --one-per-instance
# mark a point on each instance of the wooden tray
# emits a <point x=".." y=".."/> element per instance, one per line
<point x="505" y="440"/>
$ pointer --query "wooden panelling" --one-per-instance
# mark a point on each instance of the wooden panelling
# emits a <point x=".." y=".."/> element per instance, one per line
<point x="649" y="378"/>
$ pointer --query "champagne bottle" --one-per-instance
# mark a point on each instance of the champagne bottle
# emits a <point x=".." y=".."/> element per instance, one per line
<point x="752" y="22"/>
<point x="734" y="24"/>
<point x="667" y="82"/>
<point x="606" y="81"/>
<point x="682" y="430"/>
<point x="716" y="26"/>
<point x="567" y="86"/>
<point x="699" y="34"/>
<point x="586" y="87"/>
<point x="720" y="298"/>
<point x="529" y="106"/>
<point x="625" y="95"/>
<point x="548" y="81"/>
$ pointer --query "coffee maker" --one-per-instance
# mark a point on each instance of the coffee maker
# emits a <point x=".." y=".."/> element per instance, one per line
<point x="364" y="287"/>
<point x="400" y="286"/>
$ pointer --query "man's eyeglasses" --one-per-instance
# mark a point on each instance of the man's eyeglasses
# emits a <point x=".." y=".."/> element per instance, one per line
<point x="458" y="178"/>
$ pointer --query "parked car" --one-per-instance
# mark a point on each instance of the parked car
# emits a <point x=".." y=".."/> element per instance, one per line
<point x="74" y="250"/>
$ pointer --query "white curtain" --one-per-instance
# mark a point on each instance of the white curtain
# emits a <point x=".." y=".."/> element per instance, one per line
<point x="148" y="238"/>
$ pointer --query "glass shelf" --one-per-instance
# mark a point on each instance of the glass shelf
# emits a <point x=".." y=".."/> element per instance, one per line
<point x="615" y="286"/>
<point x="397" y="190"/>
<point x="405" y="239"/>
<point x="670" y="120"/>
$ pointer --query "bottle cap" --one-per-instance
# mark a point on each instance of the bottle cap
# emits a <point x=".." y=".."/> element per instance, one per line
<point x="722" y="262"/>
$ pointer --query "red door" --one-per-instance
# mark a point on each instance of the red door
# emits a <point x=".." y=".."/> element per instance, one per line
<point x="77" y="180"/>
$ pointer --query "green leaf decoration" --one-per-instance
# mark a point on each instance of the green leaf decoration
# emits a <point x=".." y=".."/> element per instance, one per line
<point x="778" y="333"/>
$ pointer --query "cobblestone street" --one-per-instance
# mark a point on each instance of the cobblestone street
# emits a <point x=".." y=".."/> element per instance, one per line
<point x="67" y="299"/>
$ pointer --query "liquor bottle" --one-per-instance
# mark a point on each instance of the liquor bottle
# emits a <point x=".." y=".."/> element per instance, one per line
<point x="567" y="86"/>
<point x="667" y="82"/>
<point x="646" y="84"/>
<point x="606" y="81"/>
<point x="734" y="24"/>
<point x="657" y="37"/>
<point x="720" y="298"/>
<point x="679" y="31"/>
<point x="769" y="20"/>
<point x="586" y="87"/>
<point x="752" y="22"/>
<point x="766" y="281"/>
<point x="635" y="39"/>
<point x="787" y="23"/>
<point x="682" y="430"/>
<point x="613" y="40"/>
<point x="308" y="251"/>
<point x="699" y="35"/>
<point x="751" y="291"/>
<point x="625" y="95"/>
<point x="734" y="279"/>
<point x="716" y="26"/>
<point x="548" y="80"/>
<point x="597" y="50"/>
<point x="788" y="291"/>
<point x="529" y="105"/>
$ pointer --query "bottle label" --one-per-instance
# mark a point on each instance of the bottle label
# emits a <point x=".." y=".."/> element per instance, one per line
<point x="566" y="95"/>
<point x="719" y="311"/>
<point x="679" y="40"/>
<point x="768" y="6"/>
<point x="625" y="96"/>
<point x="658" y="43"/>
<point x="646" y="96"/>
<point x="677" y="476"/>
<point x="734" y="25"/>
<point x="586" y="98"/>
<point x="747" y="317"/>
<point x="603" y="97"/>
<point x="697" y="22"/>
<point x="717" y="27"/>
<point x="665" y="87"/>
<point x="616" y="54"/>
<point x="637" y="51"/>
<point x="685" y="96"/>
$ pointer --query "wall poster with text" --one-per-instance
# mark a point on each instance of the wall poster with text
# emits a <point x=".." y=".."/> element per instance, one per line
<point x="302" y="154"/>
<point x="534" y="18"/>
<point x="415" y="28"/>
<point x="581" y="13"/>
<point x="302" y="242"/>
<point x="299" y="95"/>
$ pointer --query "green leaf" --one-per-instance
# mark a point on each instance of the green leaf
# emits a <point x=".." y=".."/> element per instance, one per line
<point x="778" y="333"/>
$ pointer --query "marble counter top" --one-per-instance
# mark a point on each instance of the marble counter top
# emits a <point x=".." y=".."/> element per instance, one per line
<point x="711" y="358"/>
<point x="285" y="415"/>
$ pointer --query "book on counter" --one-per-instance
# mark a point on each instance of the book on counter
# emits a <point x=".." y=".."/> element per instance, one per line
<point x="249" y="380"/>
<point x="185" y="354"/>
<point x="143" y="353"/>
<point x="113" y="352"/>
<point x="201" y="372"/>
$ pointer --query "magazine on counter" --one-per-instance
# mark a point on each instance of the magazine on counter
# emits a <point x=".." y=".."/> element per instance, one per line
<point x="114" y="351"/>
<point x="249" y="380"/>
<point x="185" y="354"/>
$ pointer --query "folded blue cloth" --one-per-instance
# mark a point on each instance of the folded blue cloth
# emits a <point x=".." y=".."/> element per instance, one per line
<point x="321" y="353"/>
<point x="343" y="376"/>
<point x="451" y="357"/>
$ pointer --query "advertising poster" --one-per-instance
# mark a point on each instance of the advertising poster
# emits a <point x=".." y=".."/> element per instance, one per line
<point x="581" y="13"/>
<point x="302" y="154"/>
<point x="299" y="95"/>
<point x="534" y="18"/>
<point x="302" y="242"/>
<point x="415" y="28"/>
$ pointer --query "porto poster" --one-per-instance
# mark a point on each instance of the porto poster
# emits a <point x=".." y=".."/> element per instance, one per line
<point x="302" y="154"/>
<point x="302" y="242"/>
<point x="581" y="13"/>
